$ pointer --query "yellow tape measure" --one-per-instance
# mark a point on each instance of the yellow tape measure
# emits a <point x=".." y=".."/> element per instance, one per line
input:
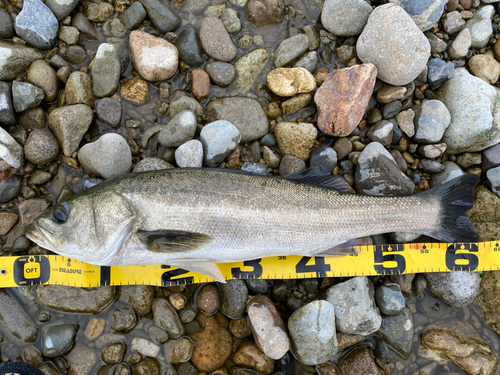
<point x="363" y="261"/>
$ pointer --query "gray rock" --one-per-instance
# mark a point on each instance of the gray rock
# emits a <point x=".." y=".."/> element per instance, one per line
<point x="291" y="164"/>
<point x="15" y="58"/>
<point x="11" y="152"/>
<point x="57" y="339"/>
<point x="133" y="16"/>
<point x="394" y="44"/>
<point x="308" y="61"/>
<point x="219" y="138"/>
<point x="432" y="118"/>
<point x="41" y="147"/>
<point x="221" y="73"/>
<point x="234" y="295"/>
<point x="162" y="18"/>
<point x="190" y="154"/>
<point x="454" y="288"/>
<point x="268" y="140"/>
<point x="231" y="21"/>
<point x="438" y="45"/>
<point x="354" y="305"/>
<point x="381" y="132"/>
<point x="290" y="49"/>
<point x="10" y="188"/>
<point x="312" y="330"/>
<point x="451" y="171"/>
<point x="26" y="96"/>
<point x="75" y="299"/>
<point x="37" y="25"/>
<point x="325" y="157"/>
<point x="459" y="47"/>
<point x="345" y="17"/>
<point x="61" y="8"/>
<point x="453" y="22"/>
<point x="480" y="26"/>
<point x="490" y="158"/>
<point x="425" y="13"/>
<point x="257" y="286"/>
<point x="475" y="123"/>
<point x="389" y="299"/>
<point x="109" y="112"/>
<point x="249" y="67"/>
<point x="106" y="71"/>
<point x="6" y="25"/>
<point x="216" y="41"/>
<point x="166" y="318"/>
<point x="189" y="46"/>
<point x="430" y="166"/>
<point x="69" y="125"/>
<point x="184" y="103"/>
<point x="108" y="157"/>
<point x="493" y="176"/>
<point x="15" y="324"/>
<point x="468" y="159"/>
<point x="438" y="72"/>
<point x="7" y="116"/>
<point x="140" y="297"/>
<point x="397" y="331"/>
<point x="179" y="130"/>
<point x="378" y="174"/>
<point x="151" y="164"/>
<point x="258" y="169"/>
<point x="246" y="114"/>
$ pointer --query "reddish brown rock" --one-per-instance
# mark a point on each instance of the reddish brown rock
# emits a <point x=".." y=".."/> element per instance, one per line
<point x="343" y="97"/>
<point x="359" y="361"/>
<point x="265" y="12"/>
<point x="201" y="84"/>
<point x="7" y="221"/>
<point x="33" y="118"/>
<point x="249" y="355"/>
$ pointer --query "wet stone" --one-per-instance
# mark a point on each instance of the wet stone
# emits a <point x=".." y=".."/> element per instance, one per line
<point x="166" y="318"/>
<point x="105" y="71"/>
<point x="234" y="297"/>
<point x="114" y="353"/>
<point x="7" y="116"/>
<point x="454" y="288"/>
<point x="26" y="96"/>
<point x="10" y="188"/>
<point x="179" y="351"/>
<point x="290" y="49"/>
<point x="145" y="347"/>
<point x="201" y="84"/>
<point x="216" y="41"/>
<point x="109" y="112"/>
<point x="308" y="61"/>
<point x="41" y="147"/>
<point x="162" y="18"/>
<point x="231" y="21"/>
<point x="249" y="66"/>
<point x="239" y="328"/>
<point x="81" y="359"/>
<point x="16" y="325"/>
<point x="37" y="25"/>
<point x="134" y="89"/>
<point x="290" y="81"/>
<point x="61" y="8"/>
<point x="99" y="12"/>
<point x="179" y="130"/>
<point x="359" y="361"/>
<point x="73" y="54"/>
<point x="95" y="328"/>
<point x="122" y="319"/>
<point x="389" y="299"/>
<point x="57" y="339"/>
<point x="248" y="354"/>
<point x="263" y="13"/>
<point x="208" y="299"/>
<point x="257" y="286"/>
<point x="221" y="73"/>
<point x="438" y="72"/>
<point x="189" y="46"/>
<point x="140" y="297"/>
<point x="68" y="34"/>
<point x="219" y="138"/>
<point x="133" y="16"/>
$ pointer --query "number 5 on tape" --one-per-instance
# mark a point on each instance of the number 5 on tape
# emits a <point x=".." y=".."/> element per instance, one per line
<point x="389" y="263"/>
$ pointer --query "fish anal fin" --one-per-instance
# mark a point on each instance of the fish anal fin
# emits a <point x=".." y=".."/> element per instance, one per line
<point x="318" y="176"/>
<point x="172" y="241"/>
<point x="342" y="249"/>
<point x="203" y="267"/>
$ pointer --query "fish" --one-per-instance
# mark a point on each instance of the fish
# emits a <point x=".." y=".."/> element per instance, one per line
<point x="192" y="218"/>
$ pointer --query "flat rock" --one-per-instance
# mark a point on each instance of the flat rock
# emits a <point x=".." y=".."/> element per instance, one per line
<point x="345" y="17"/>
<point x="394" y="44"/>
<point x="75" y="300"/>
<point x="162" y="18"/>
<point x="26" y="96"/>
<point x="10" y="188"/>
<point x="265" y="12"/>
<point x="109" y="112"/>
<point x="397" y="331"/>
<point x="290" y="49"/>
<point x="295" y="139"/>
<point x="17" y="326"/>
<point x="7" y="116"/>
<point x="37" y="25"/>
<point x="106" y="71"/>
<point x="489" y="298"/>
<point x="450" y="171"/>
<point x="216" y="40"/>
<point x="153" y="58"/>
<point x="249" y="67"/>
<point x="290" y="81"/>
<point x="7" y="221"/>
<point x="151" y="164"/>
<point x="219" y="138"/>
<point x="15" y="58"/>
<point x="425" y="13"/>
<point x="343" y="97"/>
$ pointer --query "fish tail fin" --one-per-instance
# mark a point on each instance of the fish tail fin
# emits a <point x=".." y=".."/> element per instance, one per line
<point x="456" y="196"/>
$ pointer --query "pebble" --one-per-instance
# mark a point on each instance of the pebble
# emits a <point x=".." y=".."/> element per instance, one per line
<point x="385" y="42"/>
<point x="295" y="139"/>
<point x="26" y="96"/>
<point x="467" y="160"/>
<point x="460" y="46"/>
<point x="190" y="154"/>
<point x="249" y="66"/>
<point x="68" y="34"/>
<point x="99" y="12"/>
<point x="389" y="299"/>
<point x="397" y="331"/>
<point x="430" y="166"/>
<point x="425" y="13"/>
<point x="207" y="299"/>
<point x="166" y="317"/>
<point x="57" y="339"/>
<point x="234" y="296"/>
<point x="81" y="359"/>
<point x="69" y="125"/>
<point x="140" y="297"/>
<point x="6" y="25"/>
<point x="391" y="109"/>
<point x="61" y="8"/>
<point x="151" y="164"/>
<point x="488" y="298"/>
<point x="485" y="67"/>
<point x="432" y="118"/>
<point x="454" y="288"/>
<point x="437" y="45"/>
<point x="308" y="61"/>
<point x="438" y="72"/>
<point x="270" y="158"/>
<point x="359" y="361"/>
<point x="453" y="22"/>
<point x="381" y="132"/>
<point x="290" y="81"/>
<point x="145" y="347"/>
<point x="134" y="89"/>
<point x="7" y="116"/>
<point x="231" y="21"/>
<point x="42" y="75"/>
<point x="432" y="151"/>
<point x="258" y="169"/>
<point x="39" y="177"/>
<point x="405" y="120"/>
<point x="184" y="103"/>
<point x="189" y="46"/>
<point x="37" y="25"/>
<point x="15" y="59"/>
<point x="390" y="93"/>
<point x="11" y="152"/>
<point x="10" y="188"/>
<point x="451" y="171"/>
<point x="221" y="73"/>
<point x="95" y="327"/>
<point x="258" y="286"/>
<point x="345" y="17"/>
<point x="480" y="26"/>
<point x="31" y="208"/>
<point x="490" y="158"/>
<point x="162" y="18"/>
<point x="179" y="351"/>
<point x="34" y="118"/>
<point x="73" y="54"/>
<point x="246" y="114"/>
<point x="324" y="157"/>
<point x="153" y="58"/>
<point x="219" y="139"/>
<point x="290" y="49"/>
<point x="470" y="101"/>
<point x="106" y="71"/>
<point x="201" y="84"/>
<point x="343" y="97"/>
<point x="17" y="325"/>
<point x="378" y="174"/>
<point x="249" y="355"/>
<point x="263" y="13"/>
<point x="179" y="130"/>
<point x="493" y="176"/>
<point x="109" y="112"/>
<point x="114" y="353"/>
<point x="216" y="41"/>
<point x="133" y="16"/>
<point x="122" y="319"/>
<point x="79" y="90"/>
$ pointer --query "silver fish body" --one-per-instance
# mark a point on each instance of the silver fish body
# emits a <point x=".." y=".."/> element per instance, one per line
<point x="192" y="218"/>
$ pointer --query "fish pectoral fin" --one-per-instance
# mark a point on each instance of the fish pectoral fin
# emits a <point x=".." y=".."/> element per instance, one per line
<point x="319" y="176"/>
<point x="172" y="241"/>
<point x="205" y="268"/>
<point x="344" y="248"/>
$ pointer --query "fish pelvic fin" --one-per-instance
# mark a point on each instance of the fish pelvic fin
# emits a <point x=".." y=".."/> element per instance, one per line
<point x="172" y="241"/>
<point x="456" y="197"/>
<point x="342" y="249"/>
<point x="318" y="176"/>
<point x="204" y="267"/>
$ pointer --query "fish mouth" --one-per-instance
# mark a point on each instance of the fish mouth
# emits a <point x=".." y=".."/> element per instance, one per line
<point x="36" y="234"/>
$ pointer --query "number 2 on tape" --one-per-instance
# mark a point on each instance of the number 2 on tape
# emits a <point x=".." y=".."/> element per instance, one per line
<point x="380" y="258"/>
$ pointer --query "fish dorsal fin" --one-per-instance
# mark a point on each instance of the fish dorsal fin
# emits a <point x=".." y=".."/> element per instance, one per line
<point x="172" y="241"/>
<point x="204" y="267"/>
<point x="319" y="176"/>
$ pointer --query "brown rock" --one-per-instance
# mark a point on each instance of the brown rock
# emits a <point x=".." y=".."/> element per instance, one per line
<point x="213" y="344"/>
<point x="273" y="110"/>
<point x="485" y="67"/>
<point x="201" y="84"/>
<point x="94" y="328"/>
<point x="265" y="12"/>
<point x="208" y="299"/>
<point x="346" y="340"/>
<point x="343" y="97"/>
<point x="320" y="76"/>
<point x="296" y="103"/>
<point x="290" y="81"/>
<point x="155" y="59"/>
<point x="99" y="12"/>
<point x="114" y="353"/>
<point x="134" y="89"/>
<point x="248" y="354"/>
<point x="489" y="298"/>
<point x="178" y="351"/>
<point x="496" y="50"/>
<point x="465" y="3"/>
<point x="216" y="40"/>
<point x="33" y="118"/>
<point x="41" y="147"/>
<point x="485" y="214"/>
<point x="389" y="93"/>
<point x="42" y="75"/>
<point x="7" y="221"/>
<point x="359" y="361"/>
<point x="342" y="147"/>
<point x="31" y="208"/>
<point x="296" y="139"/>
<point x="79" y="89"/>
<point x="81" y="360"/>
<point x="240" y="328"/>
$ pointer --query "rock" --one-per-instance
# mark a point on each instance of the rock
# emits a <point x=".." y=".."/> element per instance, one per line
<point x="42" y="75"/>
<point x="69" y="125"/>
<point x="145" y="347"/>
<point x="99" y="12"/>
<point x="397" y="331"/>
<point x="296" y="139"/>
<point x="184" y="103"/>
<point x="425" y="13"/>
<point x="405" y="122"/>
<point x="345" y="17"/>
<point x="189" y="47"/>
<point x="359" y="361"/>
<point x="140" y="297"/>
<point x="467" y="160"/>
<point x="41" y="147"/>
<point x="73" y="54"/>
<point x="219" y="138"/>
<point x="34" y="118"/>
<point x="37" y="25"/>
<point x="290" y="49"/>
<point x="430" y="166"/>
<point x="453" y="22"/>
<point x="438" y="72"/>
<point x="385" y="42"/>
<point x="389" y="299"/>
<point x="179" y="351"/>
<point x="106" y="71"/>
<point x="79" y="90"/>
<point x="470" y="100"/>
<point x="390" y="93"/>
<point x="485" y="67"/>
<point x="324" y="157"/>
<point x="451" y="171"/>
<point x="381" y="132"/>
<point x="115" y="353"/>
<point x="122" y="319"/>
<point x="166" y="317"/>
<point x="437" y="45"/>
<point x="249" y="355"/>
<point x="265" y="12"/>
<point x="221" y="73"/>
<point x="480" y="26"/>
<point x="153" y="58"/>
<point x="75" y="300"/>
<point x="432" y="151"/>
<point x="61" y="8"/>
<point x="432" y="118"/>
<point x="15" y="58"/>
<point x="490" y="158"/>
<point x="134" y="89"/>
<point x="16" y="325"/>
<point x="26" y="96"/>
<point x="11" y="152"/>
<point x="6" y="25"/>
<point x="179" y="130"/>
<point x="151" y="164"/>
<point x="57" y="339"/>
<point x="10" y="188"/>
<point x="216" y="41"/>
<point x="258" y="169"/>
<point x="109" y="112"/>
<point x="148" y="365"/>
<point x="207" y="299"/>
<point x="81" y="359"/>
<point x="454" y="288"/>
<point x="308" y="61"/>
<point x="68" y="34"/>
<point x="290" y="81"/>
<point x="190" y="154"/>
<point x="296" y="103"/>
<point x="94" y="328"/>
<point x="390" y="110"/>
<point x="484" y="214"/>
<point x="247" y="115"/>
<point x="234" y="298"/>
<point x="459" y="47"/>
<point x="31" y="208"/>
<point x="343" y="97"/>
<point x="108" y="157"/>
<point x="354" y="305"/>
<point x="201" y="84"/>
<point x="133" y="16"/>
<point x="231" y="21"/>
<point x="7" y="116"/>
<point x="162" y="18"/>
<point x="249" y="66"/>
<point x="488" y="298"/>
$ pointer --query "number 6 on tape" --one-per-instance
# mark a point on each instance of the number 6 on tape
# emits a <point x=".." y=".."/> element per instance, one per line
<point x="380" y="258"/>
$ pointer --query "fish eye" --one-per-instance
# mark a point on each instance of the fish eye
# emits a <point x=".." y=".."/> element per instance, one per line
<point x="60" y="214"/>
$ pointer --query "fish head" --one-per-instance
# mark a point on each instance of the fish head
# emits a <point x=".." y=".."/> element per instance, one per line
<point x="90" y="226"/>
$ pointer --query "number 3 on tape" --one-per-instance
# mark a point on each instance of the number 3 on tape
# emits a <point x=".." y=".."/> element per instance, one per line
<point x="397" y="263"/>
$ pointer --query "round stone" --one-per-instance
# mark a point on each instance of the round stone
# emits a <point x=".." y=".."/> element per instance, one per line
<point x="190" y="154"/>
<point x="345" y="17"/>
<point x="221" y="73"/>
<point x="41" y="147"/>
<point x="219" y="138"/>
<point x="290" y="81"/>
<point x="216" y="40"/>
<point x="296" y="139"/>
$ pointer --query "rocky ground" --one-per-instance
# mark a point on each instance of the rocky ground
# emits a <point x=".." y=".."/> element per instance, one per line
<point x="395" y="96"/>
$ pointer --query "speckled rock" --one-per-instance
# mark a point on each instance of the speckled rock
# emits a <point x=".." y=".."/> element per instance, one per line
<point x="42" y="75"/>
<point x="37" y="25"/>
<point x="234" y="297"/>
<point x="106" y="71"/>
<point x="480" y="26"/>
<point x="290" y="81"/>
<point x="190" y="154"/>
<point x="134" y="89"/>
<point x="26" y="96"/>
<point x="296" y="139"/>
<point x="345" y="17"/>
<point x="221" y="73"/>
<point x="216" y="41"/>
<point x="265" y="12"/>
<point x="219" y="138"/>
<point x="454" y="288"/>
<point x="41" y="147"/>
<point x="79" y="90"/>
<point x="249" y="67"/>
<point x="15" y="58"/>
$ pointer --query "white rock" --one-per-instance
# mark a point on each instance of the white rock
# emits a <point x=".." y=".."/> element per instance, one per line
<point x="190" y="154"/>
<point x="11" y="152"/>
<point x="145" y="347"/>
